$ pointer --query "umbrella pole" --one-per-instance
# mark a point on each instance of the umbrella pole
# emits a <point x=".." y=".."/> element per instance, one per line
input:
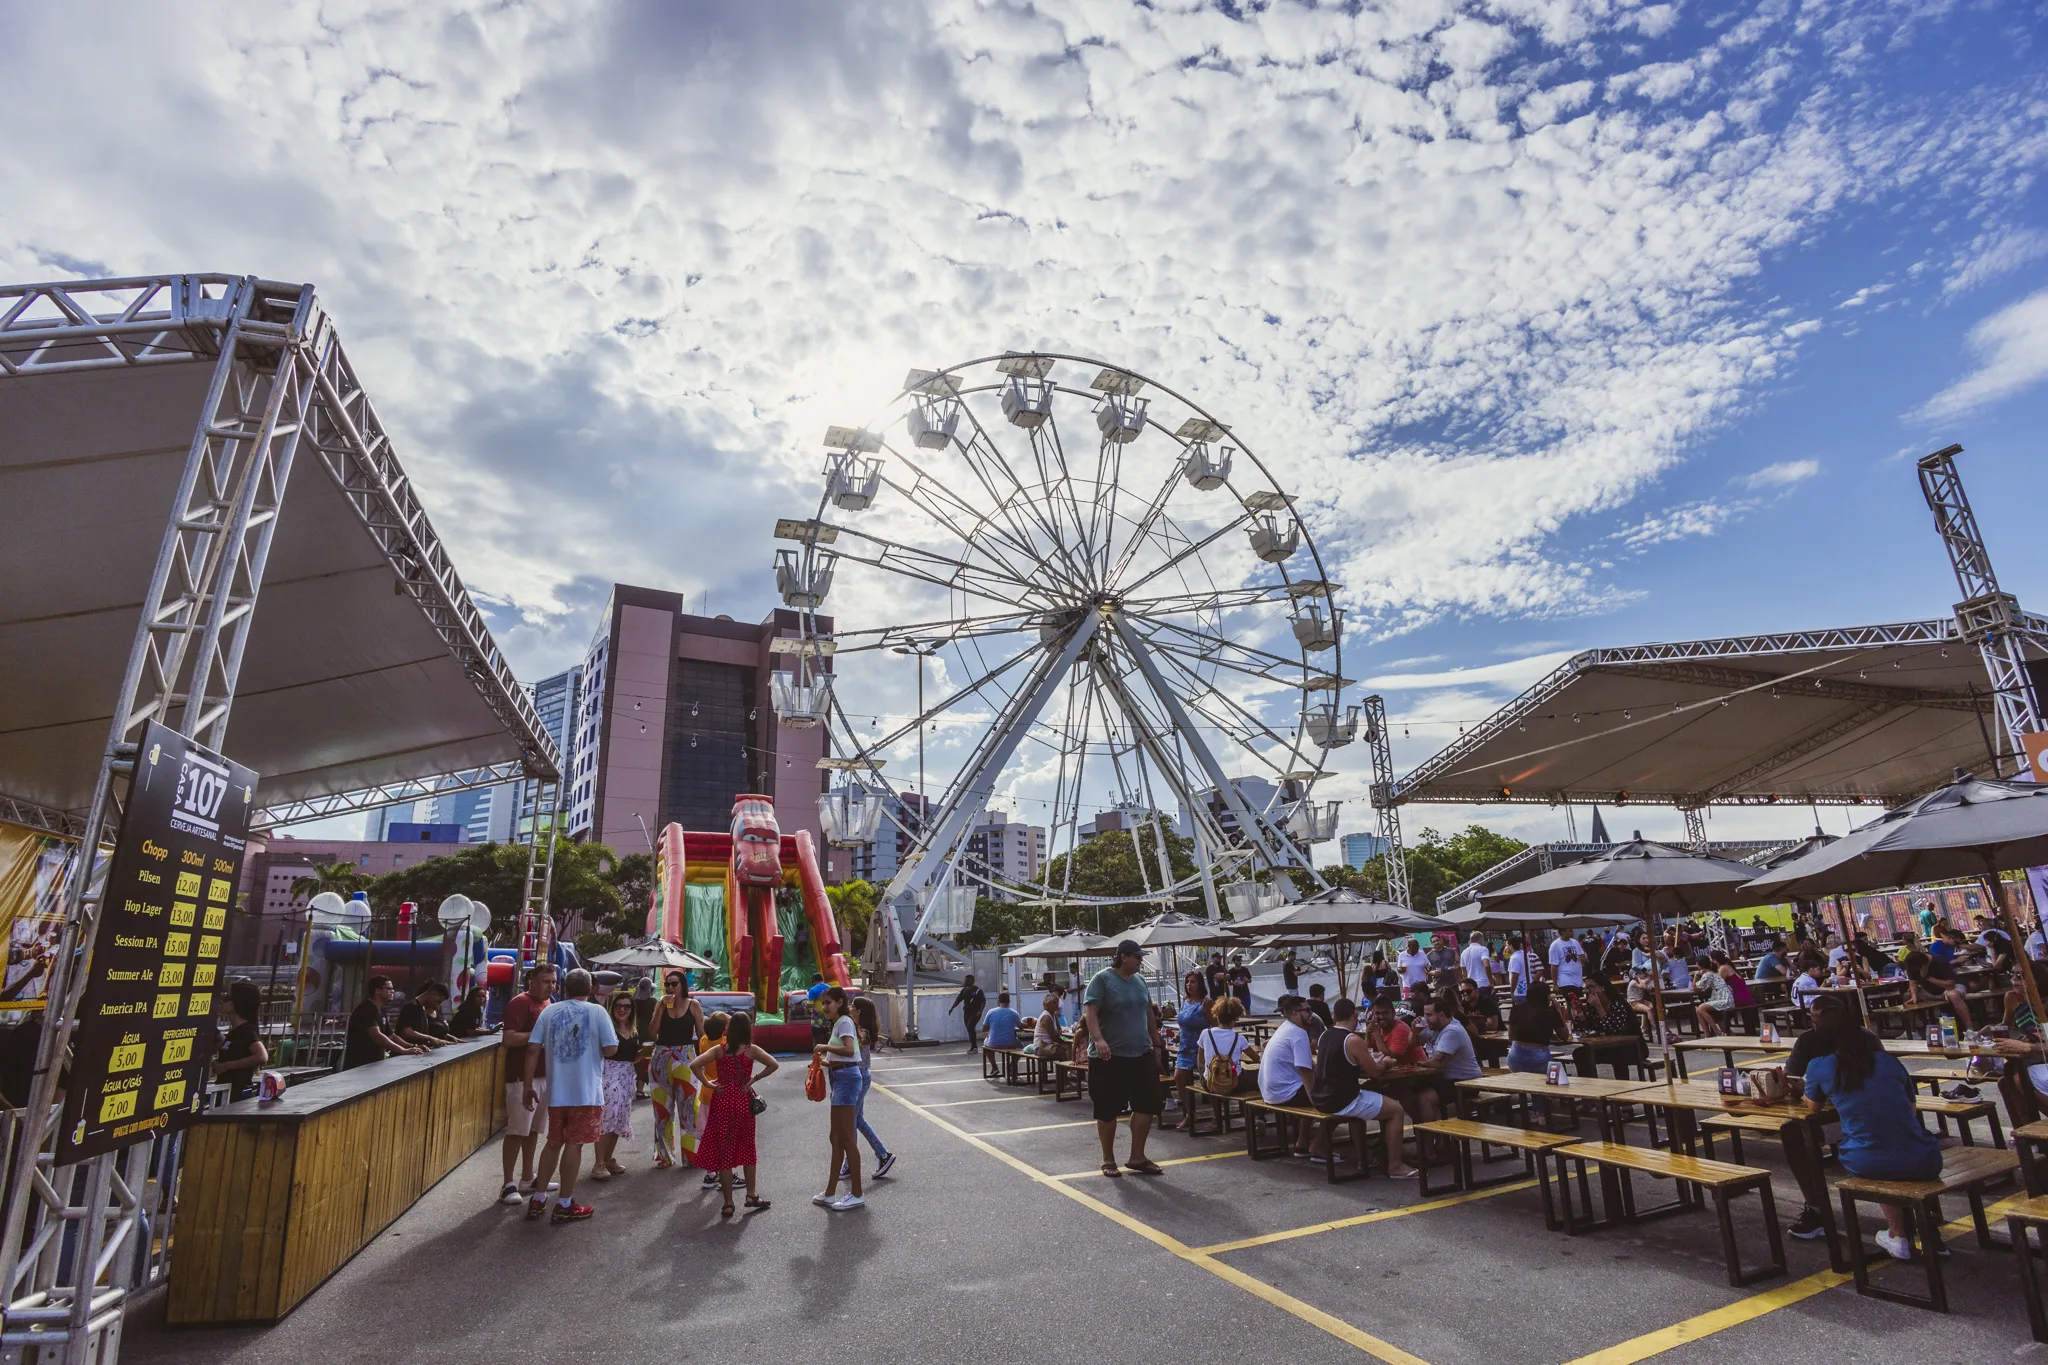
<point x="2022" y="965"/>
<point x="1657" y="958"/>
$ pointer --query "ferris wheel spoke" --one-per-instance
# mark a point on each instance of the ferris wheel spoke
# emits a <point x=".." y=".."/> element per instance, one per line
<point x="1214" y="599"/>
<point x="931" y="497"/>
<point x="929" y="565"/>
<point x="1055" y="539"/>
<point x="1212" y="645"/>
<point x="1196" y="548"/>
<point x="1261" y="673"/>
<point x="1153" y="511"/>
<point x="938" y="708"/>
<point x="949" y="631"/>
<point x="1048" y="435"/>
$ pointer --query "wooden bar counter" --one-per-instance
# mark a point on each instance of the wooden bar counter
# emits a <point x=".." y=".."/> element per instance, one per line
<point x="275" y="1198"/>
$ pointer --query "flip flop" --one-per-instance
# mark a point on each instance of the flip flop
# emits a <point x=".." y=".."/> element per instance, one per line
<point x="1145" y="1167"/>
<point x="1109" y="1169"/>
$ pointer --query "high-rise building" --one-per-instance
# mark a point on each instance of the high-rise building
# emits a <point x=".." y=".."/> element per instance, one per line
<point x="674" y="720"/>
<point x="1360" y="849"/>
<point x="1014" y="851"/>
<point x="880" y="861"/>
<point x="557" y="700"/>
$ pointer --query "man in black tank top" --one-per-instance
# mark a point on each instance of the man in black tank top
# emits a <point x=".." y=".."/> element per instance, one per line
<point x="1337" y="1086"/>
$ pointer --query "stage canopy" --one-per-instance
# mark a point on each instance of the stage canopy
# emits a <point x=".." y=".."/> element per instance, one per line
<point x="366" y="664"/>
<point x="1873" y="714"/>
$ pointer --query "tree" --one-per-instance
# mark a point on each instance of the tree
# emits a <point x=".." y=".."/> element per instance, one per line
<point x="853" y="909"/>
<point x="1107" y="865"/>
<point x="1435" y="865"/>
<point x="999" y="921"/>
<point x="633" y="878"/>
<point x="341" y="878"/>
<point x="582" y="891"/>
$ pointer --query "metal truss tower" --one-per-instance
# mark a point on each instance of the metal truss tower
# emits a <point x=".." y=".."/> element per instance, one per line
<point x="1987" y="616"/>
<point x="1393" y="857"/>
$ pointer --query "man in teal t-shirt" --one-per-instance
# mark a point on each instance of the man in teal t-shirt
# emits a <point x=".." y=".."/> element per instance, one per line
<point x="1123" y="1061"/>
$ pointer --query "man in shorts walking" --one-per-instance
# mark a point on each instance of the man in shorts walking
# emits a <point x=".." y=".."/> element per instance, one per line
<point x="523" y="1125"/>
<point x="1123" y="1062"/>
<point x="574" y="1037"/>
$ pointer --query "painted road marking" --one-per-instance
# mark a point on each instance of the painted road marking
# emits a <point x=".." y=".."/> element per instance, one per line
<point x="957" y="1080"/>
<point x="995" y="1099"/>
<point x="1177" y="1161"/>
<point x="1316" y="1317"/>
<point x="1755" y="1306"/>
<point x="1038" y="1127"/>
<point x="1379" y="1216"/>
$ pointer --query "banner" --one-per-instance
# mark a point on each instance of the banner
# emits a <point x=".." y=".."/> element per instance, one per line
<point x="35" y="869"/>
<point x="145" y="1033"/>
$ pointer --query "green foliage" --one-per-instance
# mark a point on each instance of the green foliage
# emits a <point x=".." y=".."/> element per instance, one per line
<point x="853" y="907"/>
<point x="341" y="878"/>
<point x="1435" y="865"/>
<point x="997" y="922"/>
<point x="1107" y="865"/>
<point x="633" y="878"/>
<point x="596" y="941"/>
<point x="496" y="875"/>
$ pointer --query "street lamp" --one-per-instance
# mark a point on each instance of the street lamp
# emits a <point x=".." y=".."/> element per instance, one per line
<point x="921" y="650"/>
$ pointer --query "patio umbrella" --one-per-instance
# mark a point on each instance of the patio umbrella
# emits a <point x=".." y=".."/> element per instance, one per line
<point x="1065" y="944"/>
<point x="1175" y="931"/>
<point x="1638" y="879"/>
<point x="1813" y="842"/>
<point x="1338" y="916"/>
<point x="656" y="953"/>
<point x="1479" y="917"/>
<point x="1973" y="827"/>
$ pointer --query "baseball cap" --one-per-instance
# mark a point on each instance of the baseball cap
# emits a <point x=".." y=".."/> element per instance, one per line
<point x="1129" y="946"/>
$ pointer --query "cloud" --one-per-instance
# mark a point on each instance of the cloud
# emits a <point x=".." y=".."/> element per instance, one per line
<point x="1702" y="518"/>
<point x="2012" y="346"/>
<point x="1512" y="675"/>
<point x="1784" y="474"/>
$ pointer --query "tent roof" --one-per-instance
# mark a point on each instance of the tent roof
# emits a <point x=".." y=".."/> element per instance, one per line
<point x="346" y="683"/>
<point x="1868" y="714"/>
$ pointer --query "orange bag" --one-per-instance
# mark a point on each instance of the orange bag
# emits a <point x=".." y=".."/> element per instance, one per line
<point x="815" y="1087"/>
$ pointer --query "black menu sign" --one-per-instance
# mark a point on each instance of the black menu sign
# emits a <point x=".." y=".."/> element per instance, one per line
<point x="145" y="1032"/>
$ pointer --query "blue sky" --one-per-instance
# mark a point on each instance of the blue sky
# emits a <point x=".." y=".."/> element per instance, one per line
<point x="1574" y="322"/>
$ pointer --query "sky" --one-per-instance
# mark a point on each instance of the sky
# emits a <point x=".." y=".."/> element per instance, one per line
<point x="1569" y="322"/>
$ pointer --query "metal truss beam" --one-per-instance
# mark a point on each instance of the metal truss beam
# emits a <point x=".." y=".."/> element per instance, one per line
<point x="1790" y="752"/>
<point x="1393" y="857"/>
<point x="64" y="824"/>
<point x="1722" y="678"/>
<point x="1615" y="796"/>
<point x="389" y="794"/>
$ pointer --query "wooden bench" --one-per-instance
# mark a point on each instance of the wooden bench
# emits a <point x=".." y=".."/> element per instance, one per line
<point x="1283" y="1115"/>
<point x="1219" y="1107"/>
<point x="1534" y="1148"/>
<point x="2030" y="1216"/>
<point x="1692" y="1175"/>
<point x="1965" y="1113"/>
<point x="1013" y="1066"/>
<point x="1062" y="1073"/>
<point x="1905" y="1019"/>
<point x="1965" y="1170"/>
<point x="1735" y="1125"/>
<point x="2031" y="1140"/>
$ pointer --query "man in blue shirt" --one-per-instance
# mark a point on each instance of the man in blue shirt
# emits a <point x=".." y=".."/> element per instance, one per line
<point x="1001" y="1022"/>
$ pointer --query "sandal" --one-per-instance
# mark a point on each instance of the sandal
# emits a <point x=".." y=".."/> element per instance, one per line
<point x="1109" y="1169"/>
<point x="757" y="1204"/>
<point x="600" y="1174"/>
<point x="1145" y="1167"/>
<point x="615" y="1168"/>
<point x="726" y="1212"/>
<point x="662" y="1163"/>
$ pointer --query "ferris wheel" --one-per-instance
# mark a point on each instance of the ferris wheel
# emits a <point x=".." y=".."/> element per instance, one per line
<point x="1129" y="613"/>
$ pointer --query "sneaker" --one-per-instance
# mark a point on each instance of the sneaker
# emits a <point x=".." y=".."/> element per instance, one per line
<point x="1315" y="1160"/>
<point x="845" y="1171"/>
<point x="845" y="1202"/>
<point x="1899" y="1247"/>
<point x="1959" y="1091"/>
<point x="1808" y="1225"/>
<point x="710" y="1180"/>
<point x="536" y="1206"/>
<point x="571" y="1213"/>
<point x="511" y="1195"/>
<point x="885" y="1165"/>
<point x="825" y="1201"/>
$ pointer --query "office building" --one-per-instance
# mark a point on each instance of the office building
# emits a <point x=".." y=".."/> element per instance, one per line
<point x="1360" y="849"/>
<point x="674" y="720"/>
<point x="557" y="699"/>
<point x="879" y="861"/>
<point x="1007" y="849"/>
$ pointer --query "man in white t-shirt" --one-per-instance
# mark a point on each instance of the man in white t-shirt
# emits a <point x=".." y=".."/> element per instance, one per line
<point x="1287" y="1064"/>
<point x="1477" y="962"/>
<point x="1521" y="964"/>
<point x="1414" y="965"/>
<point x="574" y="1035"/>
<point x="1568" y="964"/>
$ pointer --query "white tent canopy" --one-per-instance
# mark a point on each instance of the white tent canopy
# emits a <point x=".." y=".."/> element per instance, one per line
<point x="366" y="662"/>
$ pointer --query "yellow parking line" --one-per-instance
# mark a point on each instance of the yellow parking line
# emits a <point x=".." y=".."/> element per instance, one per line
<point x="1267" y="1239"/>
<point x="1040" y="1127"/>
<point x="1335" y="1326"/>
<point x="993" y="1099"/>
<point x="1749" y="1309"/>
<point x="935" y="1066"/>
<point x="1177" y="1161"/>
<point x="957" y="1080"/>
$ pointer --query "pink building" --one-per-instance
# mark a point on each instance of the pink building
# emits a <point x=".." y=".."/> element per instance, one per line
<point x="675" y="720"/>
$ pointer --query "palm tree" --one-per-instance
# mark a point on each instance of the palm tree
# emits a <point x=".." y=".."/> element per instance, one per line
<point x="340" y="878"/>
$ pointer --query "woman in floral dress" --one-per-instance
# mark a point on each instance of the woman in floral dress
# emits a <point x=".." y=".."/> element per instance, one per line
<point x="677" y="1025"/>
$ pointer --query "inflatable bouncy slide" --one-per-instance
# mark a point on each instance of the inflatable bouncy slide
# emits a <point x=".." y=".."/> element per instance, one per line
<point x="753" y="901"/>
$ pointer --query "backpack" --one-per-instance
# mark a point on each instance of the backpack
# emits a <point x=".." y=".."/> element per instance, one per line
<point x="1220" y="1076"/>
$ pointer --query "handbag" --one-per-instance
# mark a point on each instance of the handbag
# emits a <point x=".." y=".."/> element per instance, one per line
<point x="815" y="1086"/>
<point x="756" y="1104"/>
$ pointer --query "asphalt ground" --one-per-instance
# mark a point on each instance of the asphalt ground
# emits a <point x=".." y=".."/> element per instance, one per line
<point x="997" y="1240"/>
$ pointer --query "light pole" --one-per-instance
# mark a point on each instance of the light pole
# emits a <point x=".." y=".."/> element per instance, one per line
<point x="921" y="650"/>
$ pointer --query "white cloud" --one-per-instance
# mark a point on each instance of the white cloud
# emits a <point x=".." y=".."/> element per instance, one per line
<point x="2012" y="345"/>
<point x="1783" y="474"/>
<point x="1513" y="675"/>
<point x="1702" y="518"/>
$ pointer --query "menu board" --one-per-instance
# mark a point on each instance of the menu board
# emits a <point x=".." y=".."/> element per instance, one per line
<point x="145" y="1033"/>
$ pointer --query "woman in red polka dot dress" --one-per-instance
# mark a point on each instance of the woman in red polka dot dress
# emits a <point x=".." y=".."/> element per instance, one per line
<point x="727" y="1138"/>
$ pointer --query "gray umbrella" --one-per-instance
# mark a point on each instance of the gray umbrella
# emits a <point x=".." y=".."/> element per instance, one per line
<point x="1973" y="827"/>
<point x="1479" y="917"/>
<point x="1339" y="916"/>
<point x="1639" y="879"/>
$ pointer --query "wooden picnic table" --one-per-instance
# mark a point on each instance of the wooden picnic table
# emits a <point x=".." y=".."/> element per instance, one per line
<point x="1527" y="1085"/>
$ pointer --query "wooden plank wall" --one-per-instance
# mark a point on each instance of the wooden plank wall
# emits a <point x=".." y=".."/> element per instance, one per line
<point x="268" y="1210"/>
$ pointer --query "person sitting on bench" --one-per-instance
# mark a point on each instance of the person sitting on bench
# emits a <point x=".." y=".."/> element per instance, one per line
<point x="1000" y="1023"/>
<point x="1873" y="1094"/>
<point x="1288" y="1065"/>
<point x="1337" y="1088"/>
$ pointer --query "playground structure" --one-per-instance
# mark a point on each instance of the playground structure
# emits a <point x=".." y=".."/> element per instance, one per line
<point x="713" y="896"/>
